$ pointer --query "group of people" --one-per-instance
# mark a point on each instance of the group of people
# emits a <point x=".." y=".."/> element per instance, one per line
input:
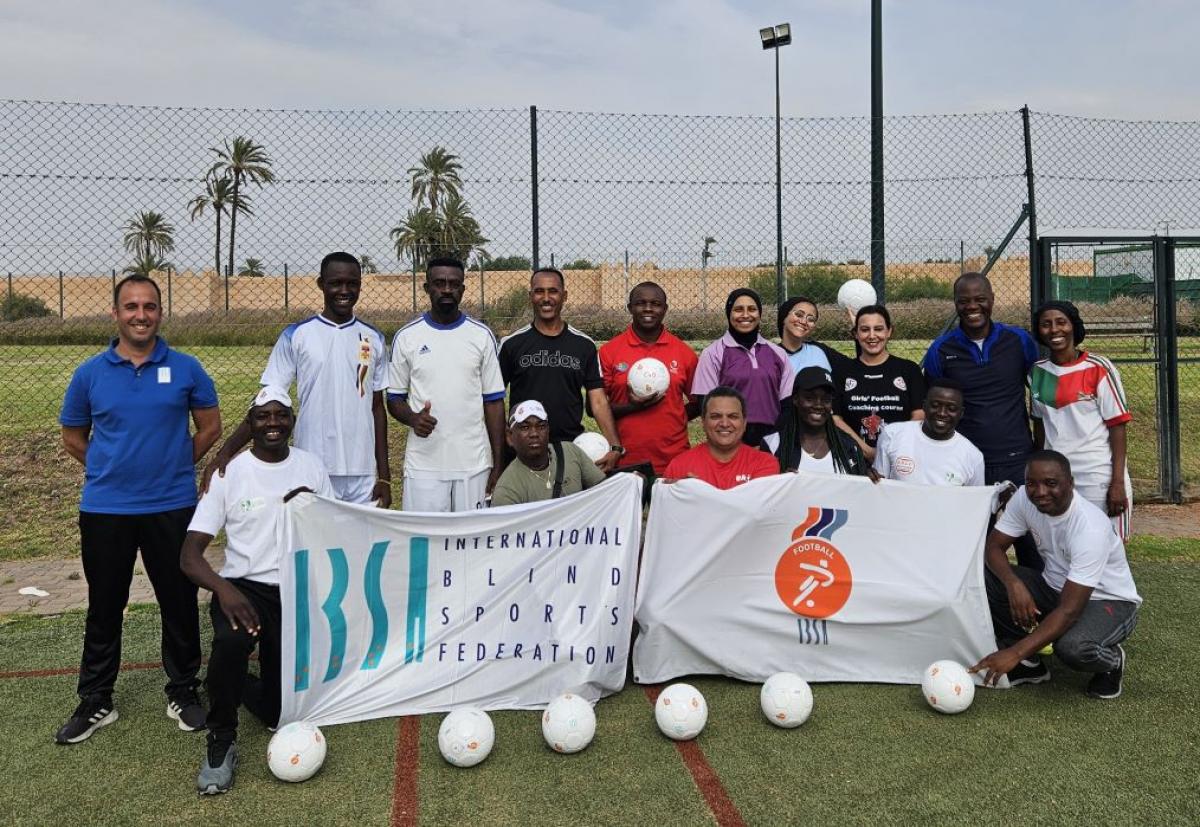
<point x="961" y="418"/>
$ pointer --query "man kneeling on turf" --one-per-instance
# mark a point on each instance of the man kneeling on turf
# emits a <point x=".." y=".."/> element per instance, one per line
<point x="248" y="503"/>
<point x="542" y="470"/>
<point x="1083" y="601"/>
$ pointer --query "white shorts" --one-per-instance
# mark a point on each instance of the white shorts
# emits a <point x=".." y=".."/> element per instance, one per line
<point x="1097" y="494"/>
<point x="355" y="489"/>
<point x="464" y="494"/>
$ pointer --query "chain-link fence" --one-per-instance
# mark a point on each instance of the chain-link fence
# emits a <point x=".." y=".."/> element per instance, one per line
<point x="89" y="191"/>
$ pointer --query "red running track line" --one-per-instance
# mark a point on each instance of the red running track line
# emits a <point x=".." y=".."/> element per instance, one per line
<point x="74" y="670"/>
<point x="704" y="777"/>
<point x="405" y="795"/>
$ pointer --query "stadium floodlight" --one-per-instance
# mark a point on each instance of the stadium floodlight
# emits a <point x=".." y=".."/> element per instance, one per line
<point x="772" y="38"/>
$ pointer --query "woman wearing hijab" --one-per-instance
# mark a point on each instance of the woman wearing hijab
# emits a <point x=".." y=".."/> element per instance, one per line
<point x="806" y="436"/>
<point x="1079" y="410"/>
<point x="742" y="359"/>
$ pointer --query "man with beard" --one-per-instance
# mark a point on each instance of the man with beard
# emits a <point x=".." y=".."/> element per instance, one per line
<point x="339" y="365"/>
<point x="247" y="502"/>
<point x="445" y="385"/>
<point x="552" y="362"/>
<point x="931" y="451"/>
<point x="653" y="430"/>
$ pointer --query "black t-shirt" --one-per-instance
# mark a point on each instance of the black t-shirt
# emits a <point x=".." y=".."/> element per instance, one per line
<point x="871" y="395"/>
<point x="553" y="370"/>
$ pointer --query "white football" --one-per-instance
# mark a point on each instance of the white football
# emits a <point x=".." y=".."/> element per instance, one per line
<point x="947" y="686"/>
<point x="786" y="699"/>
<point x="296" y="751"/>
<point x="681" y="712"/>
<point x="648" y="377"/>
<point x="466" y="737"/>
<point x="855" y="294"/>
<point x="569" y="723"/>
<point x="593" y="444"/>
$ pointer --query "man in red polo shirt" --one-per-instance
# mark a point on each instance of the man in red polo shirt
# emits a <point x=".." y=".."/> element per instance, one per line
<point x="722" y="460"/>
<point x="652" y="430"/>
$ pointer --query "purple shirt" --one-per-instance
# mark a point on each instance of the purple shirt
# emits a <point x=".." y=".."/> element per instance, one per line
<point x="761" y="373"/>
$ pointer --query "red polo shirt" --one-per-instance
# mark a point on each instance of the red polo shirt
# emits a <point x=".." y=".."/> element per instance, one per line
<point x="747" y="464"/>
<point x="659" y="433"/>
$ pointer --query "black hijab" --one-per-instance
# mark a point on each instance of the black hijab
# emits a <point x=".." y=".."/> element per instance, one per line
<point x="1067" y="309"/>
<point x="748" y="338"/>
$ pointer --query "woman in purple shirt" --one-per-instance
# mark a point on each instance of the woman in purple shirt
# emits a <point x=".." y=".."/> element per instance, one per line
<point x="744" y="360"/>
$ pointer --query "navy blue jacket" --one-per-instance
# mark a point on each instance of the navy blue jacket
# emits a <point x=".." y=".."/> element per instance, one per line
<point x="996" y="419"/>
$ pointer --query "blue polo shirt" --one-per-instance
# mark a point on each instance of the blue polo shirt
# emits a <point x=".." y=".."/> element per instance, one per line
<point x="993" y="377"/>
<point x="139" y="457"/>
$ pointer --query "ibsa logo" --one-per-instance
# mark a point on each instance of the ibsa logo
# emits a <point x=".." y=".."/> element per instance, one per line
<point x="812" y="577"/>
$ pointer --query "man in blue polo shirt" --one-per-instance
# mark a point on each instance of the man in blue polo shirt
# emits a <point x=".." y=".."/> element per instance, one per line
<point x="125" y="418"/>
<point x="991" y="361"/>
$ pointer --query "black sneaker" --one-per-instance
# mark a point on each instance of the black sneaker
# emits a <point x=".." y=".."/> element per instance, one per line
<point x="1029" y="671"/>
<point x="186" y="709"/>
<point x="216" y="771"/>
<point x="88" y="717"/>
<point x="1107" y="685"/>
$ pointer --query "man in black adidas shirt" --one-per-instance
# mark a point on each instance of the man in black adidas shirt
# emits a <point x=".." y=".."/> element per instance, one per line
<point x="552" y="362"/>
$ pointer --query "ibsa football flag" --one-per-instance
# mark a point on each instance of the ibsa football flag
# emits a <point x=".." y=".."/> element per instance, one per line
<point x="832" y="577"/>
<point x="397" y="613"/>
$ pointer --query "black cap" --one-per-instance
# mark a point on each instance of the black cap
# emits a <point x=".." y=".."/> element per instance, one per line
<point x="812" y="377"/>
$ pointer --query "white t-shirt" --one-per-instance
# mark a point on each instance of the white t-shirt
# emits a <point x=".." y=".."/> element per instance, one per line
<point x="1078" y="545"/>
<point x="823" y="465"/>
<point x="248" y="503"/>
<point x="907" y="454"/>
<point x="336" y="369"/>
<point x="455" y="368"/>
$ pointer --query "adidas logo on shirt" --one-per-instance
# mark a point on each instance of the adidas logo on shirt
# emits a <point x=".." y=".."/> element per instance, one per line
<point x="424" y="349"/>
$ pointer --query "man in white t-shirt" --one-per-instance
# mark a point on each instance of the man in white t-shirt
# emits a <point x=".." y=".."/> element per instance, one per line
<point x="1083" y="601"/>
<point x="931" y="452"/>
<point x="445" y="385"/>
<point x="338" y="363"/>
<point x="248" y="503"/>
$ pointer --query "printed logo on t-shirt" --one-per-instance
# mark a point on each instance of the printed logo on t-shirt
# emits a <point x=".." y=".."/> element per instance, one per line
<point x="851" y="384"/>
<point x="740" y="478"/>
<point x="622" y="367"/>
<point x="364" y="365"/>
<point x="899" y="383"/>
<point x="164" y="375"/>
<point x="872" y="425"/>
<point x="904" y="466"/>
<point x="424" y="349"/>
<point x="674" y="366"/>
<point x="545" y="359"/>
<point x="954" y="479"/>
<point x="251" y="504"/>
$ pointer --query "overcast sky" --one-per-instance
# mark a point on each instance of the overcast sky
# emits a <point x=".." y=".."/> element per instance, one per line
<point x="1101" y="57"/>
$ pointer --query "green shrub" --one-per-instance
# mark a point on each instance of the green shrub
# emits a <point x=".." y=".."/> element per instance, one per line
<point x="510" y="309"/>
<point x="920" y="287"/>
<point x="508" y="263"/>
<point x="20" y="306"/>
<point x="579" y="264"/>
<point x="819" y="280"/>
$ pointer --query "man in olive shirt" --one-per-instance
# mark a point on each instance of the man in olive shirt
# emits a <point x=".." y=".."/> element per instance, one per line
<point x="534" y="476"/>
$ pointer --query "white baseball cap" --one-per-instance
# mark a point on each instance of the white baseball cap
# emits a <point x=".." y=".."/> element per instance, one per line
<point x="270" y="393"/>
<point x="528" y="408"/>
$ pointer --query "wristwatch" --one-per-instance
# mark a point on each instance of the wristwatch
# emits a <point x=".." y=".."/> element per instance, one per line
<point x="620" y="449"/>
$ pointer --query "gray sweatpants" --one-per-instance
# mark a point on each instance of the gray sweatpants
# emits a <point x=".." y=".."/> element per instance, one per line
<point x="1088" y="646"/>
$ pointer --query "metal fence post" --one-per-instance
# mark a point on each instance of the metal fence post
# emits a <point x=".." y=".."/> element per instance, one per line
<point x="626" y="272"/>
<point x="1034" y="298"/>
<point x="170" y="294"/>
<point x="114" y="282"/>
<point x="878" y="250"/>
<point x="1167" y="368"/>
<point x="62" y="300"/>
<point x="533" y="181"/>
<point x="10" y="288"/>
<point x="228" y="273"/>
<point x="414" y="284"/>
<point x="482" y="303"/>
<point x="285" y="287"/>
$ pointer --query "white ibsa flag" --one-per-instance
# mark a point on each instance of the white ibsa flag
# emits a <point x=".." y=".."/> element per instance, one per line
<point x="832" y="577"/>
<point x="396" y="613"/>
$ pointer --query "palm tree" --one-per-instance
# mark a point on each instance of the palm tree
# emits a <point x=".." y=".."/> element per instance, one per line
<point x="417" y="235"/>
<point x="460" y="232"/>
<point x="218" y="194"/>
<point x="146" y="264"/>
<point x="367" y="264"/>
<point x="148" y="235"/>
<point x="252" y="267"/>
<point x="436" y="174"/>
<point x="243" y="160"/>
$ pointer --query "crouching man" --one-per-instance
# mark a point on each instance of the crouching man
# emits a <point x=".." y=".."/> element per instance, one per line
<point x="248" y="503"/>
<point x="1083" y="601"/>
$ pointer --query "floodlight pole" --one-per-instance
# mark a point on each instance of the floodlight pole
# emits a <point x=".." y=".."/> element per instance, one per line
<point x="780" y="280"/>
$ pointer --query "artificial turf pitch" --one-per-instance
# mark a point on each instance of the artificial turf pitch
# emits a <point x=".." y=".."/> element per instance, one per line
<point x="870" y="753"/>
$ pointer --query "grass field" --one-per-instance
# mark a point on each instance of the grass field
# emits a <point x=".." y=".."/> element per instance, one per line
<point x="39" y="484"/>
<point x="869" y="754"/>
